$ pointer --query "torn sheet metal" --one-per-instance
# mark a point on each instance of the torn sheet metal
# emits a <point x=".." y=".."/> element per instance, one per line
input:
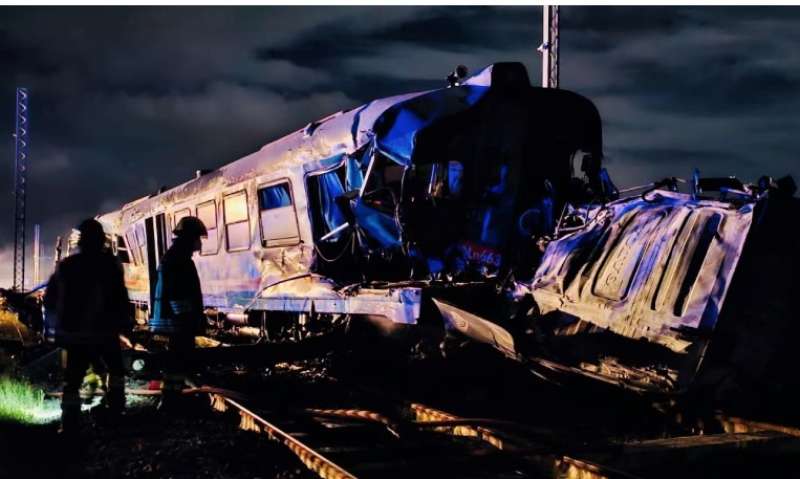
<point x="655" y="268"/>
<point x="477" y="328"/>
<point x="647" y="268"/>
<point x="396" y="129"/>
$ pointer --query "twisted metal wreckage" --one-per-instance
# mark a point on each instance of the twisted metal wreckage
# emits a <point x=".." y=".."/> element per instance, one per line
<point x="462" y="207"/>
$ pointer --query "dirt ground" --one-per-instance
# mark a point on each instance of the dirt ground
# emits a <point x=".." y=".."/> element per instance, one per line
<point x="146" y="444"/>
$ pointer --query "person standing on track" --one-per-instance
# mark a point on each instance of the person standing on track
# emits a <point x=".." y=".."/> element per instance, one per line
<point x="178" y="306"/>
<point x="87" y="309"/>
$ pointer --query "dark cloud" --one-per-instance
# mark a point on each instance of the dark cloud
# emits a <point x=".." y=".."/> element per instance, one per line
<point x="464" y="29"/>
<point x="375" y="59"/>
<point x="720" y="85"/>
<point x="127" y="99"/>
<point x="682" y="158"/>
<point x="26" y="58"/>
<point x="624" y="21"/>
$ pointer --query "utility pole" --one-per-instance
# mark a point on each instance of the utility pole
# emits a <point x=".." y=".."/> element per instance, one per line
<point x="549" y="46"/>
<point x="37" y="256"/>
<point x="21" y="142"/>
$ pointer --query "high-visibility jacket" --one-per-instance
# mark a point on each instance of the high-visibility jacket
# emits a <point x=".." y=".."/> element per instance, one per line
<point x="178" y="300"/>
<point x="86" y="301"/>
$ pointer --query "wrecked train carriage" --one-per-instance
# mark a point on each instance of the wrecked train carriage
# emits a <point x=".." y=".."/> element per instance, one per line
<point x="664" y="293"/>
<point x="380" y="199"/>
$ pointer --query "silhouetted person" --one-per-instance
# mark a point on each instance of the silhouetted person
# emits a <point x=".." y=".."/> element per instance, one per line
<point x="178" y="306"/>
<point x="87" y="309"/>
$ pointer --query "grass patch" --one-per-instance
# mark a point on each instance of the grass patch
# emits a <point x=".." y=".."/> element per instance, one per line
<point x="22" y="402"/>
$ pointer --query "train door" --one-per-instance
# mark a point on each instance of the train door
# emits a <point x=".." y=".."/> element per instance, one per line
<point x="155" y="230"/>
<point x="161" y="236"/>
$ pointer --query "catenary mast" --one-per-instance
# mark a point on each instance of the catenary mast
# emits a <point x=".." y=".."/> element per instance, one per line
<point x="21" y="143"/>
<point x="549" y="46"/>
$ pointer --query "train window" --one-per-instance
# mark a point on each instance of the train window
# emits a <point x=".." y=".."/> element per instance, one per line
<point x="207" y="213"/>
<point x="141" y="242"/>
<point x="326" y="216"/>
<point x="122" y="251"/>
<point x="132" y="245"/>
<point x="178" y="215"/>
<point x="237" y="226"/>
<point x="278" y="221"/>
<point x="382" y="187"/>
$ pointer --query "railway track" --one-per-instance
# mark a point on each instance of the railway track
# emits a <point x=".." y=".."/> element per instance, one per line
<point x="373" y="432"/>
<point x="413" y="439"/>
<point x="351" y="426"/>
<point x="358" y="443"/>
<point x="346" y="430"/>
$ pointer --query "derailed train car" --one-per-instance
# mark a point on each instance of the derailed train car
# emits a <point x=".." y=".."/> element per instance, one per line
<point x="363" y="213"/>
<point x="441" y="208"/>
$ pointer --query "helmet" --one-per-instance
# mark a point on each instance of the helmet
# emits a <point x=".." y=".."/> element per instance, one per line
<point x="190" y="226"/>
<point x="91" y="234"/>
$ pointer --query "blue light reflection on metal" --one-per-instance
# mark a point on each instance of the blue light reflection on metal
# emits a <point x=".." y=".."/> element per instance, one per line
<point x="379" y="226"/>
<point x="354" y="175"/>
<point x="397" y="126"/>
<point x="330" y="188"/>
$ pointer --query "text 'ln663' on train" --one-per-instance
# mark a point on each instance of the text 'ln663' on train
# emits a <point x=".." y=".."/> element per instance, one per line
<point x="482" y="209"/>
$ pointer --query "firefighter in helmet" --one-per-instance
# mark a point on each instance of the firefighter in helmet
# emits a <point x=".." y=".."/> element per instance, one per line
<point x="86" y="310"/>
<point x="178" y="305"/>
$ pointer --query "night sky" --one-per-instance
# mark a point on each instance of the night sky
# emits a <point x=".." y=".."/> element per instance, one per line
<point x="125" y="100"/>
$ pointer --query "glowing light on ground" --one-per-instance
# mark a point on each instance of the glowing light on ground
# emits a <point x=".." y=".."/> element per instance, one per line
<point x="24" y="403"/>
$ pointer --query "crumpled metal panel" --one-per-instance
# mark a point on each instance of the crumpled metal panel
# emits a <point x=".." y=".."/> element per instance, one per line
<point x="654" y="268"/>
<point x="477" y="328"/>
<point x="311" y="293"/>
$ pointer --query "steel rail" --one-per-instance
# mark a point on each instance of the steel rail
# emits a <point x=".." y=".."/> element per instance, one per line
<point x="566" y="466"/>
<point x="428" y="414"/>
<point x="250" y="421"/>
<point x="733" y="424"/>
<point x="357" y="414"/>
<point x="317" y="462"/>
